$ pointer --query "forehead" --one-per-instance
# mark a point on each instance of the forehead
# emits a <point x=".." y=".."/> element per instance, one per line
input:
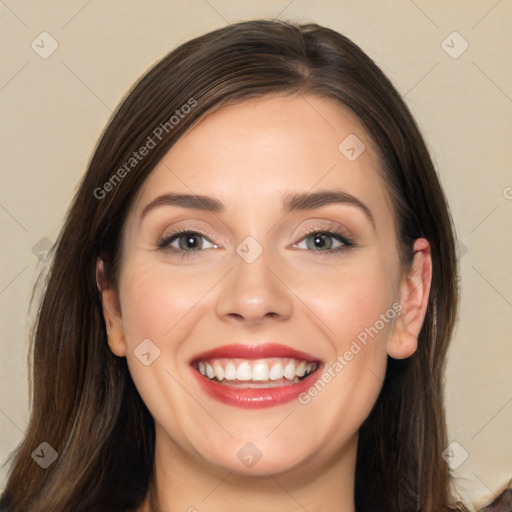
<point x="263" y="148"/>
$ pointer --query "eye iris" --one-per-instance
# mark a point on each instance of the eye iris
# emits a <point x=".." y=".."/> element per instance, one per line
<point x="319" y="241"/>
<point x="190" y="241"/>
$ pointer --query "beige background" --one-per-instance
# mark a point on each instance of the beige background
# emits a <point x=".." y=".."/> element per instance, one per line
<point x="54" y="109"/>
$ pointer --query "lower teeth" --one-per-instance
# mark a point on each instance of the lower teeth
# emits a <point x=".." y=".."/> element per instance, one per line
<point x="252" y="384"/>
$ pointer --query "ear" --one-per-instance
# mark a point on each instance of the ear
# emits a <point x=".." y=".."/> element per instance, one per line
<point x="413" y="296"/>
<point x="111" y="312"/>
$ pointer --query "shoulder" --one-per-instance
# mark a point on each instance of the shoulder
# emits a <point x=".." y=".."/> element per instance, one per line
<point x="502" y="503"/>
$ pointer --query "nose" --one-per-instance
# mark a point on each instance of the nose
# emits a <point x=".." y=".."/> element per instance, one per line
<point x="253" y="293"/>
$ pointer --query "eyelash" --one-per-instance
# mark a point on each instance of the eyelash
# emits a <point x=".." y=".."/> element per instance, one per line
<point x="164" y="242"/>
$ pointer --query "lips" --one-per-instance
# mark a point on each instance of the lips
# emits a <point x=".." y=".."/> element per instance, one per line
<point x="255" y="376"/>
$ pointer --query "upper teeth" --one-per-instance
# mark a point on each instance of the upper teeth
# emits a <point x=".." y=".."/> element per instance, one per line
<point x="255" y="370"/>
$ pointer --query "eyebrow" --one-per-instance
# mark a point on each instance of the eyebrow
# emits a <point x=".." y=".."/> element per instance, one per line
<point x="310" y="201"/>
<point x="194" y="201"/>
<point x="291" y="202"/>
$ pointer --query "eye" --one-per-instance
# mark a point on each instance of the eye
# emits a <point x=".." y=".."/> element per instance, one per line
<point x="324" y="241"/>
<point x="186" y="241"/>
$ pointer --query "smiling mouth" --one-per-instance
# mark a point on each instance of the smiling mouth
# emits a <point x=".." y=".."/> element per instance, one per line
<point x="255" y="376"/>
<point x="262" y="373"/>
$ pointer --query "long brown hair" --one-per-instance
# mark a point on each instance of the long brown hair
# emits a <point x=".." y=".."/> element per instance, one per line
<point x="84" y="402"/>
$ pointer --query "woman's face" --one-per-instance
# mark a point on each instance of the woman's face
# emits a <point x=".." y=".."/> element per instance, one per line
<point x="262" y="247"/>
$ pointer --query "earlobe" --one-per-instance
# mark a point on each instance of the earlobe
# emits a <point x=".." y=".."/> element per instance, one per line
<point x="111" y="312"/>
<point x="414" y="294"/>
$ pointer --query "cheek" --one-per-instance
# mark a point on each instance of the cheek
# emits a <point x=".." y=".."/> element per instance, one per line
<point x="355" y="305"/>
<point x="157" y="305"/>
<point x="162" y="306"/>
<point x="155" y="300"/>
<point x="351" y="307"/>
<point x="351" y="301"/>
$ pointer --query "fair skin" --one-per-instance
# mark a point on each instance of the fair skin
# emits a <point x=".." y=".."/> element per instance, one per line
<point x="247" y="156"/>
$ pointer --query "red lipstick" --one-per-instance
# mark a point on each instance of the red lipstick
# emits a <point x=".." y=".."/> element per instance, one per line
<point x="248" y="393"/>
<point x="264" y="351"/>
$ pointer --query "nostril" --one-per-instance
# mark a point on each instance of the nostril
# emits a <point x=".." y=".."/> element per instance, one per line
<point x="238" y="316"/>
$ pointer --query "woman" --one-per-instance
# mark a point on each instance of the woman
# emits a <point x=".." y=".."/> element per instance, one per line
<point x="251" y="300"/>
